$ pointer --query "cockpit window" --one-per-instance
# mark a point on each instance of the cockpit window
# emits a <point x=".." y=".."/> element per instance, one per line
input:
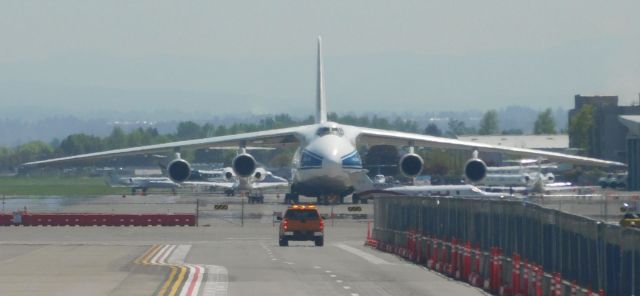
<point x="323" y="131"/>
<point x="352" y="160"/>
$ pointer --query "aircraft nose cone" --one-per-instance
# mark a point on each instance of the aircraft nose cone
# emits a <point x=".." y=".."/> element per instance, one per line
<point x="332" y="164"/>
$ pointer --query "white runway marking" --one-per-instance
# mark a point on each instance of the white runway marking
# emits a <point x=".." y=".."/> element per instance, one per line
<point x="317" y="267"/>
<point x="346" y="287"/>
<point x="364" y="255"/>
<point x="338" y="281"/>
<point x="179" y="254"/>
<point x="217" y="281"/>
<point x="332" y="275"/>
<point x="175" y="255"/>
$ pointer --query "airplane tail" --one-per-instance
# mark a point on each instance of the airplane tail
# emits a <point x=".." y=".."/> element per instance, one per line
<point x="361" y="182"/>
<point x="321" y="103"/>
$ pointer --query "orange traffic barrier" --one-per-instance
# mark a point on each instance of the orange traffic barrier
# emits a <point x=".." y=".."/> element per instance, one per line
<point x="515" y="273"/>
<point x="466" y="260"/>
<point x="453" y="265"/>
<point x="525" y="284"/>
<point x="556" y="285"/>
<point x="418" y="250"/>
<point x="499" y="267"/>
<point x="574" y="289"/>
<point x="443" y="256"/>
<point x="493" y="269"/>
<point x="434" y="254"/>
<point x="539" y="274"/>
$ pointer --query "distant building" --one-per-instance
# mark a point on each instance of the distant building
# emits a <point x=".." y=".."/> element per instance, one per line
<point x="555" y="143"/>
<point x="608" y="137"/>
<point x="632" y="122"/>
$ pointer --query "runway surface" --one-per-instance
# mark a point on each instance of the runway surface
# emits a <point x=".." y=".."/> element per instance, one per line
<point x="223" y="258"/>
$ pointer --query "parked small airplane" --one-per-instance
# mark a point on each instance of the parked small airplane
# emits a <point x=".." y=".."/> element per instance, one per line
<point x="218" y="179"/>
<point x="366" y="189"/>
<point x="142" y="183"/>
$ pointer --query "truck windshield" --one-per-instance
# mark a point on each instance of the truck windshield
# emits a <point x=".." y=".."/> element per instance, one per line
<point x="301" y="215"/>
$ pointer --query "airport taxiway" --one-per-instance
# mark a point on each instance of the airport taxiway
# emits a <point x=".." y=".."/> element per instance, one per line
<point x="222" y="258"/>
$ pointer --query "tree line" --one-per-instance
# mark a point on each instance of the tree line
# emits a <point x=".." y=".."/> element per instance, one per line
<point x="544" y="125"/>
<point x="11" y="157"/>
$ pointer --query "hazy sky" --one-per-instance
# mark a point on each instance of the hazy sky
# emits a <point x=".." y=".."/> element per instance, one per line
<point x="258" y="56"/>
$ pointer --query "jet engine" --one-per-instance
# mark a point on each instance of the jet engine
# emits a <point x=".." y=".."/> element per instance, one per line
<point x="475" y="170"/>
<point x="228" y="174"/>
<point x="550" y="177"/>
<point x="259" y="174"/>
<point x="244" y="165"/>
<point x="179" y="170"/>
<point x="411" y="165"/>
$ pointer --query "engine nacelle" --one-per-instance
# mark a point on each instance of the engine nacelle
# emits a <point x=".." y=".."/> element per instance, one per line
<point x="244" y="165"/>
<point x="179" y="170"/>
<point x="260" y="174"/>
<point x="228" y="174"/>
<point x="475" y="170"/>
<point x="411" y="165"/>
<point x="550" y="177"/>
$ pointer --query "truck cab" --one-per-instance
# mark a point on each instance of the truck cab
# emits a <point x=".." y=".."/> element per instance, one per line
<point x="301" y="223"/>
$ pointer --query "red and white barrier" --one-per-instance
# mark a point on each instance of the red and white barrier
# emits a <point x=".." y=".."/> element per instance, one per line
<point x="461" y="261"/>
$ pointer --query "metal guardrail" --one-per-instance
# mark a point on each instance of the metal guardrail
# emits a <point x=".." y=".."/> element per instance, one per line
<point x="569" y="248"/>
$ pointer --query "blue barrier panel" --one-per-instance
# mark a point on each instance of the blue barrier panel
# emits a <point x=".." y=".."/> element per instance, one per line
<point x="593" y="253"/>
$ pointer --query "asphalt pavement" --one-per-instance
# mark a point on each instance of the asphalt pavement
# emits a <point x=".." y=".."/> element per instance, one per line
<point x="229" y="254"/>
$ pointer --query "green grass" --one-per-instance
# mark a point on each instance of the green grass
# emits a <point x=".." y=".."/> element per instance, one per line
<point x="67" y="186"/>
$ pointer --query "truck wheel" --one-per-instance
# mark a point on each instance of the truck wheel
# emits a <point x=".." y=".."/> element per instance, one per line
<point x="355" y="199"/>
<point x="283" y="242"/>
<point x="319" y="242"/>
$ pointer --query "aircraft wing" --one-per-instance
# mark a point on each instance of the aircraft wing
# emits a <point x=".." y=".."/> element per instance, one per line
<point x="271" y="138"/>
<point x="383" y="137"/>
<point x="267" y="185"/>
<point x="224" y="185"/>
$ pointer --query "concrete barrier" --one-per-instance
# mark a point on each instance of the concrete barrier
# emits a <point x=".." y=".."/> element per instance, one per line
<point x="81" y="219"/>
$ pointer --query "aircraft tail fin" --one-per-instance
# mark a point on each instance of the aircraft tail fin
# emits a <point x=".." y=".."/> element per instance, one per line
<point x="321" y="103"/>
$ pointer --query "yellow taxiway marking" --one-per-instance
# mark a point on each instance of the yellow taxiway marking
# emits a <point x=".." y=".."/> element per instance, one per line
<point x="149" y="254"/>
<point x="179" y="281"/>
<point x="177" y="276"/>
<point x="168" y="282"/>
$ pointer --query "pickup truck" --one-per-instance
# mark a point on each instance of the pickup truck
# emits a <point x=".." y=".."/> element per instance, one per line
<point x="301" y="223"/>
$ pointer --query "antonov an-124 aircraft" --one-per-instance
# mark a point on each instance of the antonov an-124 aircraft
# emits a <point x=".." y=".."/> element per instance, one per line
<point x="326" y="153"/>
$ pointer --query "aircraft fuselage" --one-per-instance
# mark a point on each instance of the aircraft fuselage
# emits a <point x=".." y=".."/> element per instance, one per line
<point x="322" y="164"/>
